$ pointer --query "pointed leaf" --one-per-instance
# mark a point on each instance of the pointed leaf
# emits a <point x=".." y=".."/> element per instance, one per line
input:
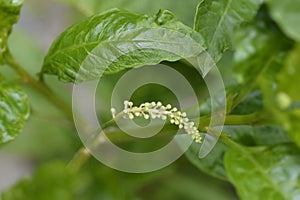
<point x="216" y="20"/>
<point x="213" y="163"/>
<point x="116" y="40"/>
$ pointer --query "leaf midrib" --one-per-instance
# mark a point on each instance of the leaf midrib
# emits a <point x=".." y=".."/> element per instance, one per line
<point x="250" y="158"/>
<point x="220" y="22"/>
<point x="111" y="41"/>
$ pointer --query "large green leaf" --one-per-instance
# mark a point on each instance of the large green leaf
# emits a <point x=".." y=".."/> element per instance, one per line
<point x="246" y="135"/>
<point x="286" y="13"/>
<point x="118" y="39"/>
<point x="265" y="173"/>
<point x="14" y="110"/>
<point x="216" y="21"/>
<point x="9" y="15"/>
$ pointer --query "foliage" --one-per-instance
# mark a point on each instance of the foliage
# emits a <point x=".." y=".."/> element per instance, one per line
<point x="256" y="47"/>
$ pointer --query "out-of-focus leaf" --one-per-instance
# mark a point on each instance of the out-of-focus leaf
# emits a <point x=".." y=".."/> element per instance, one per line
<point x="286" y="14"/>
<point x="265" y="173"/>
<point x="246" y="135"/>
<point x="14" y="110"/>
<point x="51" y="181"/>
<point x="119" y="39"/>
<point x="216" y="21"/>
<point x="182" y="9"/>
<point x="257" y="45"/>
<point x="288" y="94"/>
<point x="253" y="102"/>
<point x="9" y="15"/>
<point x="259" y="52"/>
<point x="288" y="77"/>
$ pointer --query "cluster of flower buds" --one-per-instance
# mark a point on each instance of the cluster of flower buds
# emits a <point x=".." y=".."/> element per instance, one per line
<point x="157" y="110"/>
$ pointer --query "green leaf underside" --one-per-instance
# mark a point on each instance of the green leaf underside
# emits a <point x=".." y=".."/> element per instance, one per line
<point x="216" y="21"/>
<point x="286" y="14"/>
<point x="14" y="110"/>
<point x="117" y="39"/>
<point x="265" y="173"/>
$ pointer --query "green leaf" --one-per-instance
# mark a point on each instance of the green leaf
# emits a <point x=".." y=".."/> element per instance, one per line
<point x="51" y="181"/>
<point x="14" y="110"/>
<point x="288" y="94"/>
<point x="216" y="21"/>
<point x="119" y="39"/>
<point x="257" y="39"/>
<point x="253" y="102"/>
<point x="212" y="164"/>
<point x="265" y="173"/>
<point x="9" y="15"/>
<point x="288" y="77"/>
<point x="260" y="51"/>
<point x="286" y="13"/>
<point x="246" y="135"/>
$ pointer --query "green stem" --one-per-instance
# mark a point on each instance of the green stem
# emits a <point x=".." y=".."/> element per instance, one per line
<point x="250" y="119"/>
<point x="116" y="136"/>
<point x="79" y="159"/>
<point x="232" y="144"/>
<point x="44" y="89"/>
<point x="112" y="121"/>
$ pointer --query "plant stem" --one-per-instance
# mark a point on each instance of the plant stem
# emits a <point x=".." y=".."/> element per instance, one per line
<point x="232" y="144"/>
<point x="250" y="119"/>
<point x="44" y="89"/>
<point x="79" y="159"/>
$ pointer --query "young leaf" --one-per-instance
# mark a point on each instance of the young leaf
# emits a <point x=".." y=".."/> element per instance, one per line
<point x="286" y="14"/>
<point x="216" y="20"/>
<point x="119" y="39"/>
<point x="265" y="173"/>
<point x="9" y="15"/>
<point x="14" y="110"/>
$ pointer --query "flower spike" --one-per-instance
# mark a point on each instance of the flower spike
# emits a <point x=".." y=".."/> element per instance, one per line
<point x="159" y="111"/>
